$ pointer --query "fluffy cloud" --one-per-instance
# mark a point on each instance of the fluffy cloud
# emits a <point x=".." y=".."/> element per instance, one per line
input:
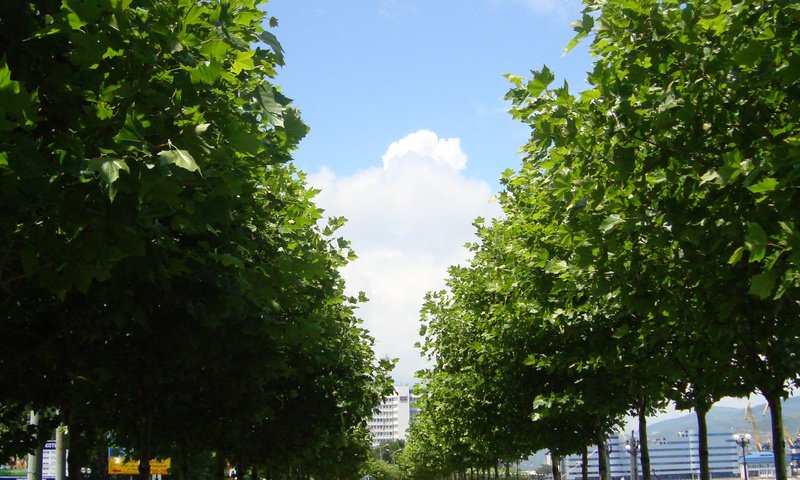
<point x="408" y="221"/>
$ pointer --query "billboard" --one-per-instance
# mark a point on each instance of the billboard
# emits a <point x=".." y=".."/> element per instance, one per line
<point x="120" y="466"/>
<point x="15" y="469"/>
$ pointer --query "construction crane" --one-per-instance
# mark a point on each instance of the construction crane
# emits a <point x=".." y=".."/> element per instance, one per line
<point x="748" y="414"/>
<point x="790" y="442"/>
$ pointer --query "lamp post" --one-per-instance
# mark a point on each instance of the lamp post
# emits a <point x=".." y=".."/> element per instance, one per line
<point x="632" y="446"/>
<point x="742" y="441"/>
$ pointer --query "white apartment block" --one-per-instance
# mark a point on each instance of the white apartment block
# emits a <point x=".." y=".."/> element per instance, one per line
<point x="393" y="416"/>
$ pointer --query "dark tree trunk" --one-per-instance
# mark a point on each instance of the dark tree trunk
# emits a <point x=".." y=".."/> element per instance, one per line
<point x="77" y="447"/>
<point x="644" y="448"/>
<point x="146" y="452"/>
<point x="220" y="472"/>
<point x="585" y="463"/>
<point x="101" y="457"/>
<point x="183" y="452"/>
<point x="602" y="458"/>
<point x="702" y="437"/>
<point x="778" y="446"/>
<point x="556" y="471"/>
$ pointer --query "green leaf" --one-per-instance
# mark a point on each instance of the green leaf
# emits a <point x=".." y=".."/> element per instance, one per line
<point x="584" y="27"/>
<point x="181" y="158"/>
<point x="756" y="241"/>
<point x="766" y="185"/>
<point x="267" y="103"/>
<point x="709" y="176"/>
<point x="761" y="285"/>
<point x="244" y="61"/>
<point x="206" y="72"/>
<point x="621" y="331"/>
<point x="228" y="260"/>
<point x="276" y="47"/>
<point x="750" y="54"/>
<point x="610" y="223"/>
<point x="737" y="255"/>
<point x="108" y="167"/>
<point x="589" y="95"/>
<point x="541" y="80"/>
<point x="215" y="50"/>
<point x="17" y="106"/>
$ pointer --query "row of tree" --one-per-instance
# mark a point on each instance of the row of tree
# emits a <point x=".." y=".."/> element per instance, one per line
<point x="166" y="285"/>
<point x="649" y="249"/>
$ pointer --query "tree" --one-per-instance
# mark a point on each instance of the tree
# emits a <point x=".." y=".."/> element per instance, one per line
<point x="160" y="241"/>
<point x="684" y="146"/>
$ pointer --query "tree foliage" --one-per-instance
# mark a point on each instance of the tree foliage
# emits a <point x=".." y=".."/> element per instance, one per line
<point x="163" y="273"/>
<point x="648" y="248"/>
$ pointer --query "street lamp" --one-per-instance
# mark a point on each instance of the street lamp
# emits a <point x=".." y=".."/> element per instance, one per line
<point x="742" y="441"/>
<point x="632" y="446"/>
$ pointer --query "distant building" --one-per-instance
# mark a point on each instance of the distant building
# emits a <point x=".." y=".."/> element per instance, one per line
<point x="394" y="416"/>
<point x="671" y="458"/>
<point x="759" y="465"/>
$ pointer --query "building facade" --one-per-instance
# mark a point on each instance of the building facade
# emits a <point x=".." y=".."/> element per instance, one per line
<point x="393" y="416"/>
<point x="672" y="457"/>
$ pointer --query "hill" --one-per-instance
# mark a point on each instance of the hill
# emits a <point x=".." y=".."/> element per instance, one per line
<point x="727" y="419"/>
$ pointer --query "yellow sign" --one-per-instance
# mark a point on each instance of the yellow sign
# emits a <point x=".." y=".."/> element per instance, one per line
<point x="118" y="466"/>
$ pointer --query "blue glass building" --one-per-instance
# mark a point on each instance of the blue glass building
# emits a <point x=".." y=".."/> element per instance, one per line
<point x="671" y="458"/>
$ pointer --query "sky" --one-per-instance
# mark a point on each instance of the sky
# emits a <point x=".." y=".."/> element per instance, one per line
<point x="410" y="132"/>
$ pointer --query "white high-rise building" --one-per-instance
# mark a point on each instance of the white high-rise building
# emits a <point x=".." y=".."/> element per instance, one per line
<point x="394" y="416"/>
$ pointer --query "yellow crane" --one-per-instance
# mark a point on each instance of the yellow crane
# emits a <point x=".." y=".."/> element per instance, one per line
<point x="790" y="442"/>
<point x="748" y="414"/>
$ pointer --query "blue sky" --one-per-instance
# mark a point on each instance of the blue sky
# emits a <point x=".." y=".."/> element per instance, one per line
<point x="410" y="132"/>
<point x="366" y="73"/>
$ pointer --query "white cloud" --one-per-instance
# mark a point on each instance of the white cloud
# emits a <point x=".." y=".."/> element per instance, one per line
<point x="408" y="221"/>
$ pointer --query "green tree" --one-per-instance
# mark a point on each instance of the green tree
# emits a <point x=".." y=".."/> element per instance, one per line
<point x="683" y="153"/>
<point x="162" y="263"/>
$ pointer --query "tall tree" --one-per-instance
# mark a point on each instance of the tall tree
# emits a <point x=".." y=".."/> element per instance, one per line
<point x="163" y="261"/>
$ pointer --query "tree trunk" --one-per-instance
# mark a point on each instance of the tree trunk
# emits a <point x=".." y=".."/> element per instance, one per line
<point x="585" y="463"/>
<point x="146" y="447"/>
<point x="496" y="473"/>
<point x="644" y="448"/>
<point x="183" y="455"/>
<point x="220" y="470"/>
<point x="778" y="446"/>
<point x="508" y="473"/>
<point x="556" y="471"/>
<point x="702" y="438"/>
<point x="602" y="457"/>
<point x="76" y="446"/>
<point x="100" y="457"/>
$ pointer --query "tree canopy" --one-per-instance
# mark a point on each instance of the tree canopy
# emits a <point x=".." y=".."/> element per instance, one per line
<point x="166" y="278"/>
